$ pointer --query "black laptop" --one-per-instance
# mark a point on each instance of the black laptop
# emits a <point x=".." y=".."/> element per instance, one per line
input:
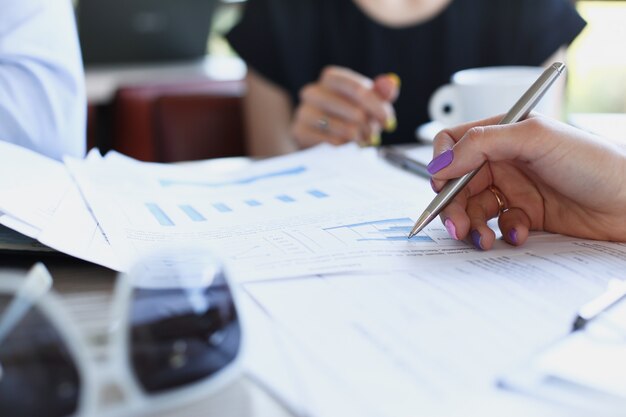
<point x="131" y="31"/>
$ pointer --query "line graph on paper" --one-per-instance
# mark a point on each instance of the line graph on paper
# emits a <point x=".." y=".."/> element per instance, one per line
<point x="313" y="240"/>
<point x="380" y="233"/>
<point x="386" y="230"/>
<point x="289" y="172"/>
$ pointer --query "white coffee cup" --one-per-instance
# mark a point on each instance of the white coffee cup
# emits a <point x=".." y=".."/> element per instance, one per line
<point x="478" y="93"/>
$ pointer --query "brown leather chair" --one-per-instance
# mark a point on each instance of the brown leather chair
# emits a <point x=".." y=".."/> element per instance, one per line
<point x="179" y="122"/>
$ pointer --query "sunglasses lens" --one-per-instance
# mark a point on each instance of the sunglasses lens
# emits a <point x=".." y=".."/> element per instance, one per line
<point x="37" y="374"/>
<point x="184" y="326"/>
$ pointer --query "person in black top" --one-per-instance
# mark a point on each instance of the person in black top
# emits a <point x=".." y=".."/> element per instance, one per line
<point x="329" y="70"/>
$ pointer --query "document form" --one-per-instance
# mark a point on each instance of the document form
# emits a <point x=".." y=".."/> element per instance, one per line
<point x="434" y="340"/>
<point x="31" y="185"/>
<point x="40" y="200"/>
<point x="324" y="210"/>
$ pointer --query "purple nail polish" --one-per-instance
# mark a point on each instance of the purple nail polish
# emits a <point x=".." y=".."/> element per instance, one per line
<point x="513" y="236"/>
<point x="440" y="162"/>
<point x="476" y="239"/>
<point x="451" y="228"/>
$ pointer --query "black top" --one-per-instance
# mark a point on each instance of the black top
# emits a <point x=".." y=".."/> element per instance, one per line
<point x="290" y="41"/>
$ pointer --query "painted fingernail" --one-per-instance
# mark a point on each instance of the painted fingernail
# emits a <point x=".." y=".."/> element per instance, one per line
<point x="513" y="236"/>
<point x="391" y="124"/>
<point x="440" y="162"/>
<point x="375" y="139"/>
<point x="476" y="239"/>
<point x="395" y="79"/>
<point x="451" y="228"/>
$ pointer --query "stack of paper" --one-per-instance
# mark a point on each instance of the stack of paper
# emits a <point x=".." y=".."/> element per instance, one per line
<point x="325" y="210"/>
<point x="362" y="320"/>
<point x="39" y="199"/>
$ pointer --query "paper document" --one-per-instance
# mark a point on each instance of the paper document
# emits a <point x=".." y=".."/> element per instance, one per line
<point x="41" y="201"/>
<point x="322" y="210"/>
<point x="438" y="338"/>
<point x="586" y="368"/>
<point x="31" y="185"/>
<point x="74" y="231"/>
<point x="19" y="226"/>
<point x="11" y="240"/>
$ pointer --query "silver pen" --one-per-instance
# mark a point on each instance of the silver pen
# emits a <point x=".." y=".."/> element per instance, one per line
<point x="519" y="111"/>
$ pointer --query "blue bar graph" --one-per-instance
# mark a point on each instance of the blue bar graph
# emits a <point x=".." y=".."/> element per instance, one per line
<point x="317" y="193"/>
<point x="222" y="208"/>
<point x="253" y="203"/>
<point x="192" y="213"/>
<point x="159" y="214"/>
<point x="285" y="198"/>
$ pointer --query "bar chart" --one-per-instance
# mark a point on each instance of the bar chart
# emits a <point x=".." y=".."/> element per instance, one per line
<point x="168" y="214"/>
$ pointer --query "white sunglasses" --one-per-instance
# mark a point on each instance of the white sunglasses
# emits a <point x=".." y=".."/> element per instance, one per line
<point x="177" y="338"/>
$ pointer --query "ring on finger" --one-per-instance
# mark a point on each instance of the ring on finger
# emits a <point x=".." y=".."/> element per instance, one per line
<point x="502" y="206"/>
<point x="323" y="124"/>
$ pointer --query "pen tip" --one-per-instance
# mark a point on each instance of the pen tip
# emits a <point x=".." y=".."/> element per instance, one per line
<point x="424" y="219"/>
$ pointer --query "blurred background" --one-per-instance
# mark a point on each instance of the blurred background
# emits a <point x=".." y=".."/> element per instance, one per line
<point x="182" y="100"/>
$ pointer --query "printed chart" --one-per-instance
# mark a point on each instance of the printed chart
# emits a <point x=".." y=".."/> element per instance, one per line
<point x="165" y="214"/>
<point x="387" y="230"/>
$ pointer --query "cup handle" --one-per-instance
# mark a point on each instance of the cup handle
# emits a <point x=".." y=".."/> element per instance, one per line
<point x="444" y="105"/>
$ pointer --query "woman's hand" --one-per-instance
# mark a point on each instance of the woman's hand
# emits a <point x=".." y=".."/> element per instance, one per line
<point x="344" y="106"/>
<point x="552" y="177"/>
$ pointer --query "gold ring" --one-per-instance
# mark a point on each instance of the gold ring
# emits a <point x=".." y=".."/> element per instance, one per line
<point x="323" y="124"/>
<point x="502" y="207"/>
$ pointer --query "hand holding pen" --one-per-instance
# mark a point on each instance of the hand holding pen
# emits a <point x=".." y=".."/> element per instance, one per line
<point x="520" y="110"/>
<point x="535" y="174"/>
<point x="551" y="176"/>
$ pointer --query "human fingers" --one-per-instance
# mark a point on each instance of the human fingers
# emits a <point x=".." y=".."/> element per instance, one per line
<point x="480" y="208"/>
<point x="468" y="214"/>
<point x="458" y="131"/>
<point x="312" y="126"/>
<point x="445" y="157"/>
<point x="388" y="86"/>
<point x="444" y="143"/>
<point x="524" y="141"/>
<point x="514" y="224"/>
<point x="455" y="218"/>
<point x="442" y="157"/>
<point x="360" y="91"/>
<point x="331" y="102"/>
<point x="373" y="132"/>
<point x="329" y="124"/>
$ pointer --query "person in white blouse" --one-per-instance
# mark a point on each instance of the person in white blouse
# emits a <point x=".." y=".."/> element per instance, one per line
<point x="42" y="88"/>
